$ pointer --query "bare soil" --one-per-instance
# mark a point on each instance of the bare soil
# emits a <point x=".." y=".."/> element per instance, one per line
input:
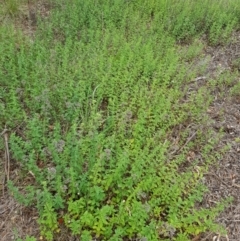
<point x="223" y="179"/>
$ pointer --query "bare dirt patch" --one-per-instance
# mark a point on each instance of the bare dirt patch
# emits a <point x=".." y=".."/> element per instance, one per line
<point x="17" y="221"/>
<point x="223" y="179"/>
<point x="26" y="14"/>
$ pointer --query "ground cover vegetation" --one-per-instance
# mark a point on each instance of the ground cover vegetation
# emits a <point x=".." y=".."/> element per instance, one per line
<point x="91" y="103"/>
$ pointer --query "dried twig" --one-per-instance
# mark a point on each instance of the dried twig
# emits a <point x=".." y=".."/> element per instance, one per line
<point x="6" y="218"/>
<point x="188" y="140"/>
<point x="219" y="179"/>
<point x="4" y="134"/>
<point x="204" y="239"/>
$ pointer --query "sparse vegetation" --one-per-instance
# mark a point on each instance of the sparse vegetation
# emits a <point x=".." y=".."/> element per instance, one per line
<point x="92" y="103"/>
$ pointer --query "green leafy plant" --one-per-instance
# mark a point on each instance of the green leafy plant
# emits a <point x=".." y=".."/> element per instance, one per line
<point x="102" y="123"/>
<point x="28" y="238"/>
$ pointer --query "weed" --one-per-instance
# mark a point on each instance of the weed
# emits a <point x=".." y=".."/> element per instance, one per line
<point x="92" y="103"/>
<point x="12" y="7"/>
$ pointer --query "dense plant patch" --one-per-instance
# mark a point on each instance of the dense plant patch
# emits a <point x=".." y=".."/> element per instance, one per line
<point x="91" y="104"/>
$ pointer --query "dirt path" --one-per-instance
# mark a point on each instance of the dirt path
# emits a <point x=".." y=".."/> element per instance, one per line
<point x="223" y="180"/>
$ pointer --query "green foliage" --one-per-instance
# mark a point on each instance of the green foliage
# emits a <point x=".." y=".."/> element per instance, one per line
<point x="11" y="7"/>
<point x="92" y="104"/>
<point x="216" y="19"/>
<point x="236" y="90"/>
<point x="28" y="238"/>
<point x="236" y="64"/>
